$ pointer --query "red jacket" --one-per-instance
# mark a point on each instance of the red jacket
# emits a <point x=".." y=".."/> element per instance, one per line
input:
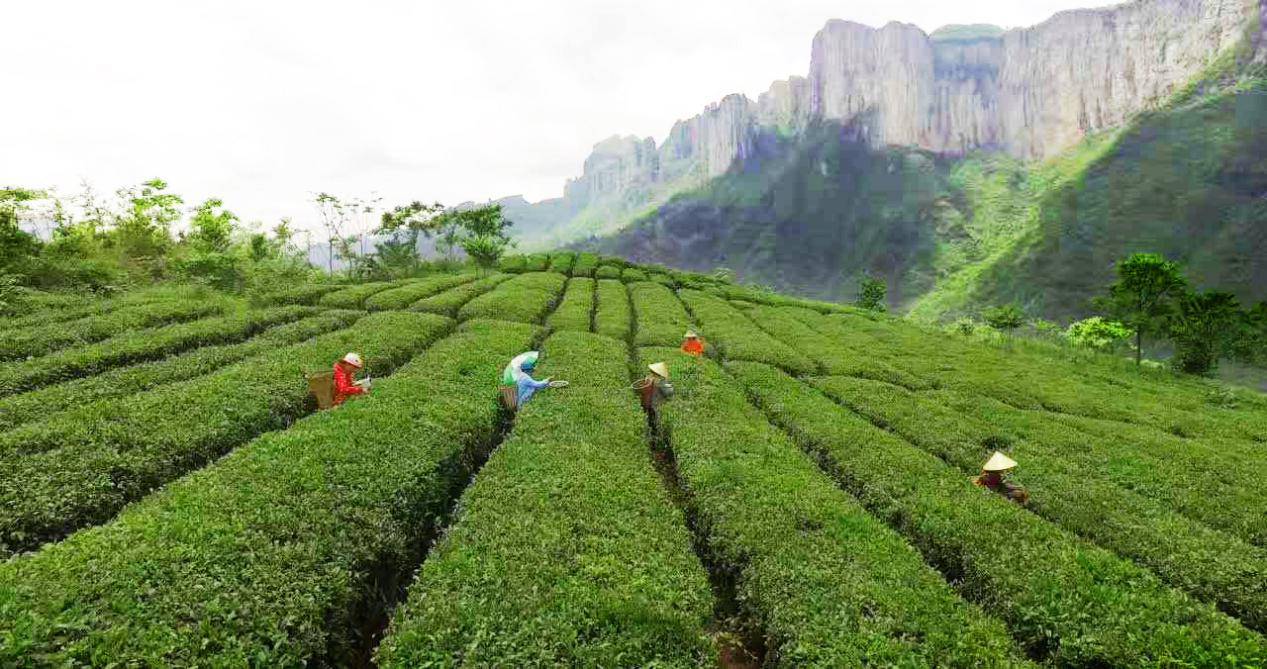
<point x="344" y="386"/>
<point x="693" y="347"/>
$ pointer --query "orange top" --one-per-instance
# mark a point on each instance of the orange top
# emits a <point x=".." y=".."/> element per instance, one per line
<point x="693" y="347"/>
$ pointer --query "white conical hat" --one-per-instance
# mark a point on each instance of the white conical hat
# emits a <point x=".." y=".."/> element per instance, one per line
<point x="998" y="463"/>
<point x="690" y="334"/>
<point x="354" y="359"/>
<point x="660" y="369"/>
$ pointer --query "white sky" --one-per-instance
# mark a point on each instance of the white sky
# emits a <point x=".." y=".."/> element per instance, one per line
<point x="263" y="102"/>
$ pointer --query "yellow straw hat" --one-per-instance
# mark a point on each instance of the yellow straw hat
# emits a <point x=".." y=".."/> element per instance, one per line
<point x="660" y="369"/>
<point x="998" y="463"/>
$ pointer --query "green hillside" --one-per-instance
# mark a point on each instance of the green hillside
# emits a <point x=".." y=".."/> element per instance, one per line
<point x="811" y="213"/>
<point x="171" y="496"/>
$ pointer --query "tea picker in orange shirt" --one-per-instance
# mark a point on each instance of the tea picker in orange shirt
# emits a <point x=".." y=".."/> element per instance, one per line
<point x="345" y="384"/>
<point x="692" y="344"/>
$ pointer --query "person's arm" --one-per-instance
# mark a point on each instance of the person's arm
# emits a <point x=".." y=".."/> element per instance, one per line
<point x="343" y="384"/>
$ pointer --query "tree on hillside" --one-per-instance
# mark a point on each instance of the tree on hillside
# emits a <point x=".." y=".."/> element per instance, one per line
<point x="872" y="292"/>
<point x="143" y="230"/>
<point x="483" y="232"/>
<point x="1204" y="328"/>
<point x="1143" y="295"/>
<point x="209" y="255"/>
<point x="404" y="224"/>
<point x="15" y="243"/>
<point x="1005" y="318"/>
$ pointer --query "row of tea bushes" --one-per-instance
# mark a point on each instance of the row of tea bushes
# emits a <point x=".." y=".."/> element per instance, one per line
<point x="448" y="302"/>
<point x="829" y="584"/>
<point x="661" y="318"/>
<point x="410" y="293"/>
<point x="567" y="550"/>
<point x="576" y="311"/>
<point x="140" y="346"/>
<point x="44" y="403"/>
<point x="80" y="467"/>
<point x="613" y="317"/>
<point x="737" y="337"/>
<point x="43" y="339"/>
<point x="527" y="298"/>
<point x="1069" y="603"/>
<point x="276" y="555"/>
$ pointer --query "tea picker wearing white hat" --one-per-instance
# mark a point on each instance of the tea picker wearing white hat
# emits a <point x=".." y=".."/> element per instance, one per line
<point x="345" y="384"/>
<point x="994" y="477"/>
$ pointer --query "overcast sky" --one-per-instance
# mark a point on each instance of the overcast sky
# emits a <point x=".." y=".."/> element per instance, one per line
<point x="263" y="102"/>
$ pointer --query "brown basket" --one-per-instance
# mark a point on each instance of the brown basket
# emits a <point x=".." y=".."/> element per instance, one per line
<point x="321" y="386"/>
<point x="510" y="397"/>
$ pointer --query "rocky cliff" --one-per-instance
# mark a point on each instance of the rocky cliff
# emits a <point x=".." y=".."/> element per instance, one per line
<point x="1029" y="92"/>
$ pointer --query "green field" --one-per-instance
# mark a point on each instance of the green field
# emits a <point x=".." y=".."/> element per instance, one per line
<point x="171" y="496"/>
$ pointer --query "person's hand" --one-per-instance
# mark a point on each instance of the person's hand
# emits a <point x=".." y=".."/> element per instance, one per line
<point x="547" y="379"/>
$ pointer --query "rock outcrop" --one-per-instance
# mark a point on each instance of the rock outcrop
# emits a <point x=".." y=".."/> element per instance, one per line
<point x="1030" y="92"/>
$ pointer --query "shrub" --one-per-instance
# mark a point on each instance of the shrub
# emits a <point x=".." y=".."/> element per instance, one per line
<point x="43" y="339"/>
<point x="537" y="262"/>
<point x="738" y="337"/>
<point x="513" y="264"/>
<point x="828" y="584"/>
<point x="1005" y="318"/>
<point x="45" y="403"/>
<point x="526" y="298"/>
<point x="661" y="318"/>
<point x="353" y="297"/>
<point x="448" y="302"/>
<point x="410" y="293"/>
<point x="1074" y="491"/>
<point x="1070" y="603"/>
<point x="607" y="272"/>
<point x="309" y="294"/>
<point x="585" y="264"/>
<point x="138" y="346"/>
<point x="562" y="262"/>
<point x="613" y="316"/>
<point x="81" y="467"/>
<point x="577" y="308"/>
<point x="504" y="585"/>
<point x="1097" y="333"/>
<point x="872" y="293"/>
<point x="278" y="554"/>
<point x="632" y="274"/>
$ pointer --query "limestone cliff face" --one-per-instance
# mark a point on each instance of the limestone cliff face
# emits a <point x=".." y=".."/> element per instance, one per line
<point x="1030" y="92"/>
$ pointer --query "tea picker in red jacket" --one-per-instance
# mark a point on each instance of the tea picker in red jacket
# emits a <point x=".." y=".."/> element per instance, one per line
<point x="345" y="383"/>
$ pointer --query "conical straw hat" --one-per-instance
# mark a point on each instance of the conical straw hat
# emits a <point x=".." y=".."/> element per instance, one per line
<point x="998" y="463"/>
<point x="660" y="369"/>
<point x="690" y="334"/>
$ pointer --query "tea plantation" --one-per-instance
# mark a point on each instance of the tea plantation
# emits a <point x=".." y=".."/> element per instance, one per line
<point x="170" y="495"/>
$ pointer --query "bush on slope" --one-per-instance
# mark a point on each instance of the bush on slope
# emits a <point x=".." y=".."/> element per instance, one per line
<point x="81" y="467"/>
<point x="448" y="302"/>
<point x="1070" y="603"/>
<point x="526" y="298"/>
<point x="43" y="339"/>
<point x="829" y="584"/>
<point x="613" y="316"/>
<point x="44" y="403"/>
<point x="139" y="346"/>
<point x="577" y="308"/>
<point x="737" y="337"/>
<point x="567" y="550"/>
<point x="410" y="293"/>
<point x="275" y="555"/>
<point x="661" y="318"/>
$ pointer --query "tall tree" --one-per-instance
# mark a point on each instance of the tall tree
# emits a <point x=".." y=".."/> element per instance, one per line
<point x="483" y="232"/>
<point x="872" y="293"/>
<point x="1144" y="294"/>
<point x="1204" y="328"/>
